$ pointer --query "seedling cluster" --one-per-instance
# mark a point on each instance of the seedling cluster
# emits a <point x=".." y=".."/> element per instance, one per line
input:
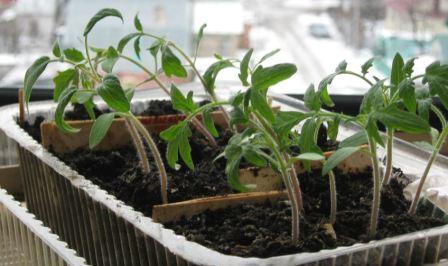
<point x="261" y="136"/>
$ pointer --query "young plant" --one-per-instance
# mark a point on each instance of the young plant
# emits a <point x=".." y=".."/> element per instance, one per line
<point x="171" y="64"/>
<point x="314" y="100"/>
<point x="265" y="138"/>
<point x="436" y="78"/>
<point x="381" y="104"/>
<point x="82" y="82"/>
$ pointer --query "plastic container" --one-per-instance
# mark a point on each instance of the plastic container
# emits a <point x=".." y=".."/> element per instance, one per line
<point x="106" y="231"/>
<point x="24" y="241"/>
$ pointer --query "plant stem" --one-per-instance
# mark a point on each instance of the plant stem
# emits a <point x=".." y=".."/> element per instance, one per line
<point x="357" y="75"/>
<point x="418" y="76"/>
<point x="198" y="124"/>
<point x="435" y="152"/>
<point x="297" y="197"/>
<point x="86" y="45"/>
<point x="389" y="155"/>
<point x="157" y="157"/>
<point x="289" y="179"/>
<point x="376" y="188"/>
<point x="333" y="197"/>
<point x="138" y="145"/>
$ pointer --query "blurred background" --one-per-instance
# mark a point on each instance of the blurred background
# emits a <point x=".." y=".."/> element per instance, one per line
<point x="314" y="34"/>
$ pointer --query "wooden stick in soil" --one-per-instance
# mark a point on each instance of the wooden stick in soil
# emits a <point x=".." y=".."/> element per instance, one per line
<point x="21" y="107"/>
<point x="157" y="157"/>
<point x="136" y="139"/>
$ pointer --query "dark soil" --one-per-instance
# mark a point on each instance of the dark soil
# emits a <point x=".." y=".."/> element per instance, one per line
<point x="79" y="113"/>
<point x="119" y="173"/>
<point x="34" y="128"/>
<point x="263" y="230"/>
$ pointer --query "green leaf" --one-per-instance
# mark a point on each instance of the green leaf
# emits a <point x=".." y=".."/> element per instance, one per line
<point x="406" y="91"/>
<point x="112" y="93"/>
<point x="32" y="74"/>
<point x="312" y="99"/>
<point x="234" y="153"/>
<point x="244" y="67"/>
<point x="137" y="47"/>
<point x="325" y="97"/>
<point x="210" y="124"/>
<point x="309" y="156"/>
<point x="62" y="81"/>
<point x="366" y="66"/>
<point x="177" y="138"/>
<point x="83" y="96"/>
<point x="408" y="68"/>
<point x="396" y="75"/>
<point x="212" y="72"/>
<point x="185" y="148"/>
<point x="337" y="157"/>
<point x="333" y="128"/>
<point x="106" y="12"/>
<point x="307" y="141"/>
<point x="111" y="59"/>
<point x="155" y="47"/>
<point x="423" y="107"/>
<point x="395" y="118"/>
<point x="137" y="24"/>
<point x="436" y="76"/>
<point x="100" y="128"/>
<point x="354" y="140"/>
<point x="198" y="40"/>
<point x="180" y="102"/>
<point x="129" y="93"/>
<point x="260" y="104"/>
<point x="327" y="81"/>
<point x="263" y="78"/>
<point x="126" y="39"/>
<point x="237" y="99"/>
<point x="232" y="171"/>
<point x="171" y="64"/>
<point x="238" y="117"/>
<point x="342" y="66"/>
<point x="56" y="49"/>
<point x="252" y="156"/>
<point x="268" y="55"/>
<point x="86" y="81"/>
<point x="373" y="99"/>
<point x="64" y="99"/>
<point x="285" y="121"/>
<point x="90" y="106"/>
<point x="74" y="55"/>
<point x="372" y="131"/>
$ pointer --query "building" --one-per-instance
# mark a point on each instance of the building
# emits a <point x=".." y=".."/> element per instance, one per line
<point x="225" y="29"/>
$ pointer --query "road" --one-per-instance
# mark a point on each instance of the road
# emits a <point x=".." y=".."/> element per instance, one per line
<point x="282" y="21"/>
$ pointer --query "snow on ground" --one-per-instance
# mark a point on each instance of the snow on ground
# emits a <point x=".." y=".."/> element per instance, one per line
<point x="329" y="52"/>
<point x="263" y="41"/>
